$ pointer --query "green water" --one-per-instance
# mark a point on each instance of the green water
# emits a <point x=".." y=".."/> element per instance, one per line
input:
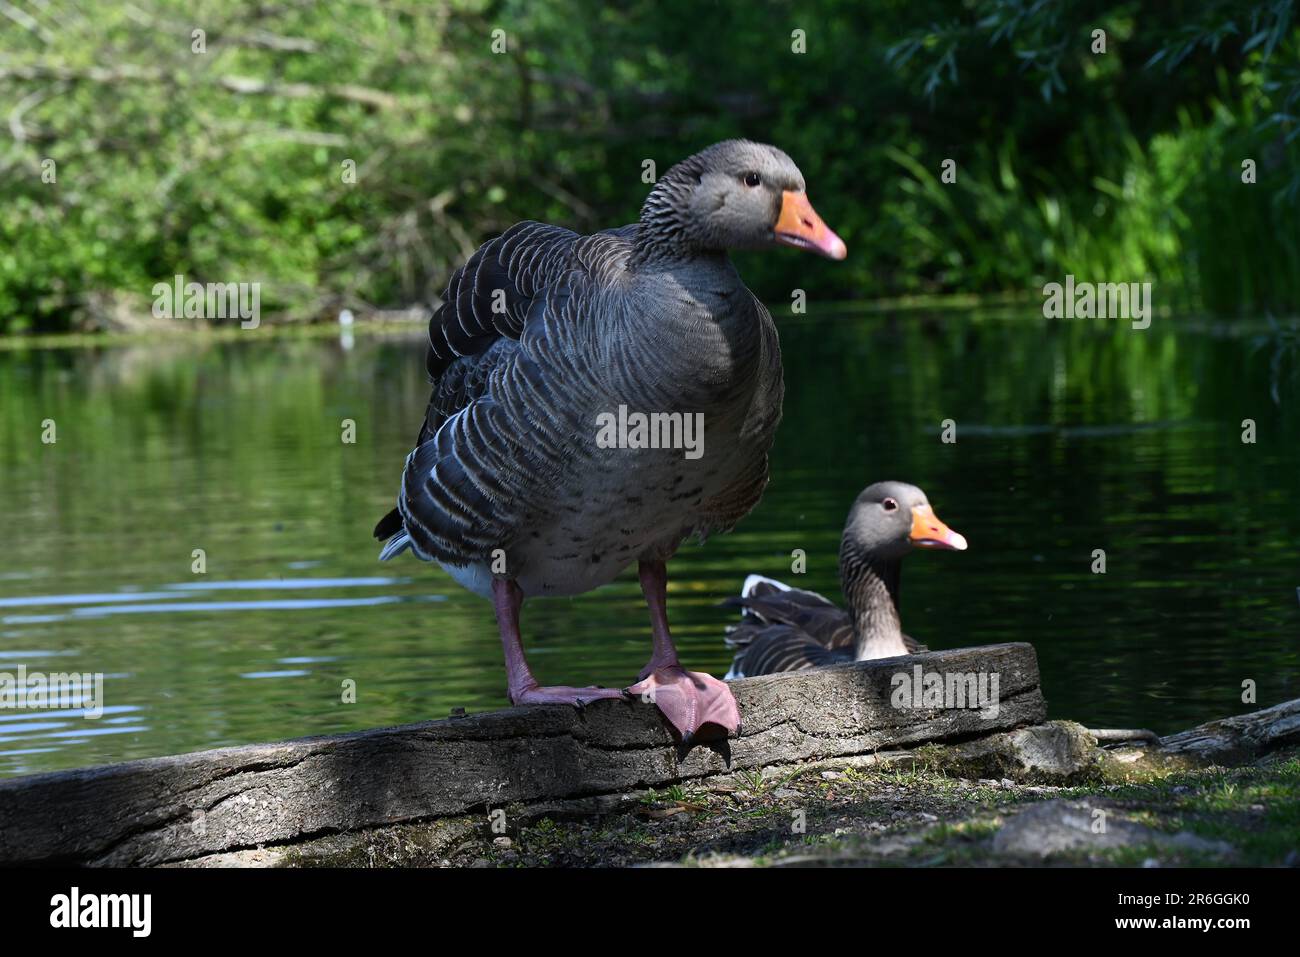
<point x="1070" y="437"/>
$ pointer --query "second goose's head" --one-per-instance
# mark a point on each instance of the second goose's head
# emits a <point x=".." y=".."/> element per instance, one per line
<point x="889" y="519"/>
<point x="735" y="195"/>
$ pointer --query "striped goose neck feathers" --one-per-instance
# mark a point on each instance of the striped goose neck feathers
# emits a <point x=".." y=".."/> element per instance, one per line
<point x="871" y="585"/>
<point x="665" y="226"/>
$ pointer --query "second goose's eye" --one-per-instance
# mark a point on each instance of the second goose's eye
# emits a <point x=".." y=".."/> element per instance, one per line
<point x="889" y="505"/>
<point x="752" y="179"/>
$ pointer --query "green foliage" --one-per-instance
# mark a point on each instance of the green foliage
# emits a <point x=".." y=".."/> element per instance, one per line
<point x="1120" y="197"/>
<point x="1174" y="212"/>
<point x="228" y="164"/>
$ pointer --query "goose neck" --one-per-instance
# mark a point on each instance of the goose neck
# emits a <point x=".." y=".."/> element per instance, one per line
<point x="871" y="585"/>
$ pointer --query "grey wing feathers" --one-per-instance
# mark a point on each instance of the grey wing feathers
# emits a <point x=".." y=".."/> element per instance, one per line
<point x="765" y="602"/>
<point x="778" y="648"/>
<point x="503" y="338"/>
<point x="487" y="299"/>
<point x="447" y="502"/>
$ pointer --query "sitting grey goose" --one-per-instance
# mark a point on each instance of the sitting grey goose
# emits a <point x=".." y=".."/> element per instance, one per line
<point x="542" y="338"/>
<point x="789" y="629"/>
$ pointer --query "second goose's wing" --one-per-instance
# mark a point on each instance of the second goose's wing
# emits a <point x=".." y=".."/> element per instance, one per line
<point x="764" y="601"/>
<point x="776" y="649"/>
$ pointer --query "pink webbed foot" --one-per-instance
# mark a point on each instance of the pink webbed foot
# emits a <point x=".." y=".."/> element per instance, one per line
<point x="562" y="694"/>
<point x="691" y="701"/>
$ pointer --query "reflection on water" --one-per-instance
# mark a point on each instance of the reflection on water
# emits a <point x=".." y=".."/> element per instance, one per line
<point x="1071" y="437"/>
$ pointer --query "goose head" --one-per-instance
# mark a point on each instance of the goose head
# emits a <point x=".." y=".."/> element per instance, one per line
<point x="736" y="195"/>
<point x="889" y="519"/>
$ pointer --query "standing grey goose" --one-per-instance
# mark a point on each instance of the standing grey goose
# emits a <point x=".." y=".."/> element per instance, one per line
<point x="542" y="336"/>
<point x="789" y="629"/>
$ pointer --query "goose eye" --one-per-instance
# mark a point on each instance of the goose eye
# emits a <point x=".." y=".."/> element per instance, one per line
<point x="889" y="505"/>
<point x="752" y="179"/>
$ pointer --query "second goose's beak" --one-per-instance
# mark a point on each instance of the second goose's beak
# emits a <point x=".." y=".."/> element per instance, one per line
<point x="929" y="532"/>
<point x="800" y="226"/>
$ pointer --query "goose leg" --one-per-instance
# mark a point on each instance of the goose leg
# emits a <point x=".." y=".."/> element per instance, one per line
<point x="522" y="687"/>
<point x="689" y="700"/>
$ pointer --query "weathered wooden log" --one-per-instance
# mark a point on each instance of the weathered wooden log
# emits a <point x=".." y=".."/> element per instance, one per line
<point x="172" y="809"/>
<point x="1240" y="738"/>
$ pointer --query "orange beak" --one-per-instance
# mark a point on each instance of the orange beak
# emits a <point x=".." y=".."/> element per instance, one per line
<point x="929" y="532"/>
<point x="800" y="226"/>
